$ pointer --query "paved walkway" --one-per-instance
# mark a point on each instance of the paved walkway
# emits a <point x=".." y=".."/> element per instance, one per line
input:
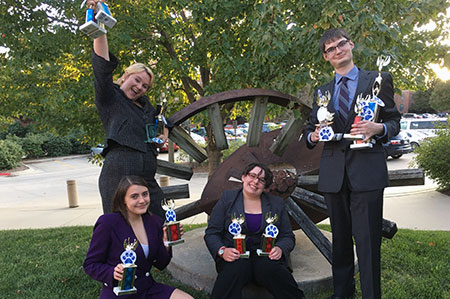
<point x="413" y="207"/>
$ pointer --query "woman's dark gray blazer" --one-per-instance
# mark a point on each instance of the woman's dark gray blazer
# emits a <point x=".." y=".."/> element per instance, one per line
<point x="232" y="202"/>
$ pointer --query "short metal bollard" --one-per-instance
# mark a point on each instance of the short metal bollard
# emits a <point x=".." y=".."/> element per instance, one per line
<point x="72" y="193"/>
<point x="164" y="181"/>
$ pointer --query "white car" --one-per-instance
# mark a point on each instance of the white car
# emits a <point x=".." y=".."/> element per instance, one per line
<point x="198" y="138"/>
<point x="417" y="137"/>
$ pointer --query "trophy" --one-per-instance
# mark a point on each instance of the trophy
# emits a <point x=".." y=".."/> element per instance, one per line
<point x="173" y="226"/>
<point x="94" y="25"/>
<point x="156" y="129"/>
<point x="367" y="108"/>
<point x="238" y="239"/>
<point x="128" y="258"/>
<point x="269" y="236"/>
<point x="324" y="117"/>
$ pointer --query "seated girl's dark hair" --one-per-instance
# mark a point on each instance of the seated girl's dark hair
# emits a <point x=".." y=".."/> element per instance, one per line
<point x="121" y="191"/>
<point x="268" y="176"/>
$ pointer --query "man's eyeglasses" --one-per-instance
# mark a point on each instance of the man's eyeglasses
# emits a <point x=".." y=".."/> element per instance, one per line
<point x="255" y="177"/>
<point x="341" y="44"/>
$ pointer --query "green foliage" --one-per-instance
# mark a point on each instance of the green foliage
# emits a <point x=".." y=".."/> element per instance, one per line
<point x="79" y="143"/>
<point x="56" y="146"/>
<point x="434" y="157"/>
<point x="10" y="154"/>
<point x="233" y="145"/>
<point x="17" y="129"/>
<point x="440" y="97"/>
<point x="199" y="48"/>
<point x="32" y="145"/>
<point x="421" y="102"/>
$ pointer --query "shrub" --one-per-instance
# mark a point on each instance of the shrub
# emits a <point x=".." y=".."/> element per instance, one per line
<point x="10" y="154"/>
<point x="79" y="144"/>
<point x="17" y="129"/>
<point x="32" y="145"/>
<point x="434" y="157"/>
<point x="56" y="146"/>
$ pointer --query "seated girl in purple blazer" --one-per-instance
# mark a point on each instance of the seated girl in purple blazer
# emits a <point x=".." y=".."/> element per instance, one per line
<point x="130" y="220"/>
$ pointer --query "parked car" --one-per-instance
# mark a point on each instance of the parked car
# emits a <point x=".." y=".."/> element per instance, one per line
<point x="198" y="138"/>
<point x="165" y="147"/>
<point x="397" y="146"/>
<point x="416" y="138"/>
<point x="200" y="131"/>
<point x="425" y="125"/>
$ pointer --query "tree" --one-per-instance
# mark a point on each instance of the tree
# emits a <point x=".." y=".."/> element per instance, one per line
<point x="440" y="97"/>
<point x="421" y="102"/>
<point x="203" y="47"/>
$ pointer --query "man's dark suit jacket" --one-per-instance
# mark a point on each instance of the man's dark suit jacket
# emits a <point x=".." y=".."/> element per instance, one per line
<point x="106" y="246"/>
<point x="232" y="202"/>
<point x="365" y="168"/>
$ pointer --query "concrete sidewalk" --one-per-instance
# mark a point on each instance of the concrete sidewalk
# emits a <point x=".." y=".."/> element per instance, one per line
<point x="413" y="207"/>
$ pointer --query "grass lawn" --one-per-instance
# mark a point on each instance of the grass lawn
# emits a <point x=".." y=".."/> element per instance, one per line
<point x="47" y="263"/>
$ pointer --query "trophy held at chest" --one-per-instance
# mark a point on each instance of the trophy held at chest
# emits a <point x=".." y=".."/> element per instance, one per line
<point x="94" y="25"/>
<point x="173" y="226"/>
<point x="238" y="239"/>
<point x="269" y="236"/>
<point x="367" y="108"/>
<point x="324" y="117"/>
<point x="128" y="258"/>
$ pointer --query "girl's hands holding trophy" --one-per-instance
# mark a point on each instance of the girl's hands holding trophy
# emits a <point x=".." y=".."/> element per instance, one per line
<point x="231" y="254"/>
<point x="118" y="272"/>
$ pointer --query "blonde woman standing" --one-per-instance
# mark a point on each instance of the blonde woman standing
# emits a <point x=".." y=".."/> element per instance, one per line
<point x="127" y="117"/>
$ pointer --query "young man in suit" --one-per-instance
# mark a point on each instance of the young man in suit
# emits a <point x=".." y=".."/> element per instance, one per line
<point x="353" y="180"/>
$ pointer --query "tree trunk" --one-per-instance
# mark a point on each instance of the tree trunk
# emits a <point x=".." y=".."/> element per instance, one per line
<point x="214" y="155"/>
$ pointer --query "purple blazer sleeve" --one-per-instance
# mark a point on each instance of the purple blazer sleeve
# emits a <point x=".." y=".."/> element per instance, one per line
<point x="96" y="264"/>
<point x="163" y="255"/>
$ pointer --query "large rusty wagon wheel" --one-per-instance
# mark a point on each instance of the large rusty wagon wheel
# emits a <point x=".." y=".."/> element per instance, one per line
<point x="280" y="149"/>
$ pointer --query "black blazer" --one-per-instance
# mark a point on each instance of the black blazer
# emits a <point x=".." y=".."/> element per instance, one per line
<point x="124" y="122"/>
<point x="232" y="202"/>
<point x="365" y="168"/>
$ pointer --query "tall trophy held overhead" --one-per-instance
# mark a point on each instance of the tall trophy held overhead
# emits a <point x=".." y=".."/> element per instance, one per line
<point x="128" y="258"/>
<point x="173" y="226"/>
<point x="96" y="18"/>
<point x="367" y="108"/>
<point x="238" y="239"/>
